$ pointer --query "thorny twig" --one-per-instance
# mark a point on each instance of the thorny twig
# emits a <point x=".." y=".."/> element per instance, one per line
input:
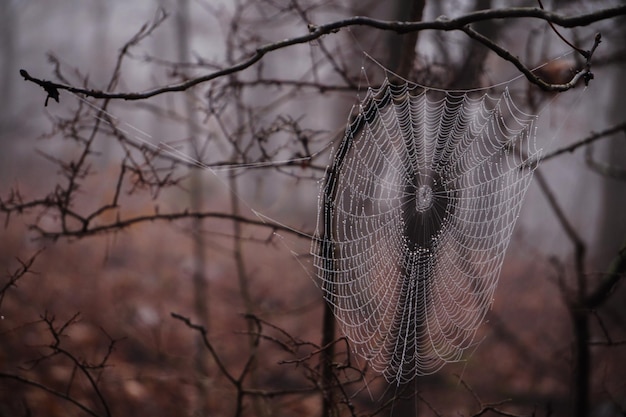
<point x="85" y="368"/>
<point x="58" y="394"/>
<point x="74" y="224"/>
<point x="24" y="268"/>
<point x="289" y="344"/>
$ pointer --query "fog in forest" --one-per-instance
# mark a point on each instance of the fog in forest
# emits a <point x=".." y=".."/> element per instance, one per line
<point x="125" y="282"/>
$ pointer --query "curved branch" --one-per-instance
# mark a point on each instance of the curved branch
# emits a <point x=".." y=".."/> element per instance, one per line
<point x="585" y="74"/>
<point x="316" y="32"/>
<point x="203" y="332"/>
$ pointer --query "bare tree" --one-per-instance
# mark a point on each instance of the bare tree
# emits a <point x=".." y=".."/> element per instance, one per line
<point x="263" y="145"/>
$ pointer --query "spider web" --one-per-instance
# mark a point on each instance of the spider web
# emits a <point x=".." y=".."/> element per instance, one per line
<point x="415" y="214"/>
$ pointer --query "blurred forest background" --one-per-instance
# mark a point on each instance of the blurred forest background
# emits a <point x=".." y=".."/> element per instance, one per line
<point x="110" y="224"/>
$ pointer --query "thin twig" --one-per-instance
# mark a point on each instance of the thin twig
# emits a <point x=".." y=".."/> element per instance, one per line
<point x="23" y="269"/>
<point x="583" y="142"/>
<point x="584" y="74"/>
<point x="605" y="169"/>
<point x="577" y="49"/>
<point x="83" y="367"/>
<point x="203" y="332"/>
<point x="570" y="231"/>
<point x="49" y="390"/>
<point x="617" y="271"/>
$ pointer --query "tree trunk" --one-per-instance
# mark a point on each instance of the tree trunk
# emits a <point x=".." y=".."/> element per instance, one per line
<point x="8" y="77"/>
<point x="200" y="283"/>
<point x="469" y="72"/>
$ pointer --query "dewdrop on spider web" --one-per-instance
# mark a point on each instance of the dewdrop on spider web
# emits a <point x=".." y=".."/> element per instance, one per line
<point x="416" y="210"/>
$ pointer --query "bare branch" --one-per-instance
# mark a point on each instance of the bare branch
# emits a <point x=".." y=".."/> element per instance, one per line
<point x="604" y="169"/>
<point x="203" y="332"/>
<point x="583" y="142"/>
<point x="79" y="365"/>
<point x="58" y="394"/>
<point x="82" y="366"/>
<point x="568" y="228"/>
<point x="585" y="74"/>
<point x="616" y="272"/>
<point x="315" y="32"/>
<point x="23" y="269"/>
<point x="122" y="224"/>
